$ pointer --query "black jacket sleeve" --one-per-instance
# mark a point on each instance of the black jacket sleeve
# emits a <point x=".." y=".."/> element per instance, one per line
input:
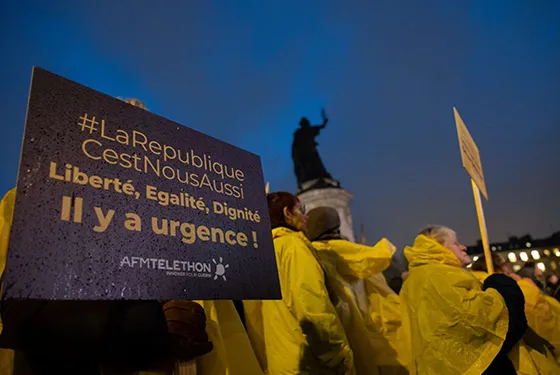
<point x="515" y="303"/>
<point x="536" y="342"/>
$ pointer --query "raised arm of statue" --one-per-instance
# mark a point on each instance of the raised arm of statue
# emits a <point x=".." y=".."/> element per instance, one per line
<point x="325" y="118"/>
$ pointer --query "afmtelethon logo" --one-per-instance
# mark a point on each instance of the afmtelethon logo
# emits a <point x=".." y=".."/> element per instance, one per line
<point x="220" y="269"/>
<point x="179" y="267"/>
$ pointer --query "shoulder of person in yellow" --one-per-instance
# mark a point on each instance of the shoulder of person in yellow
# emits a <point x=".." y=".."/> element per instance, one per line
<point x="6" y="214"/>
<point x="366" y="305"/>
<point x="233" y="353"/>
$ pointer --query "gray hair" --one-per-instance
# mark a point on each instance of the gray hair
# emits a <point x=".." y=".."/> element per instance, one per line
<point x="438" y="233"/>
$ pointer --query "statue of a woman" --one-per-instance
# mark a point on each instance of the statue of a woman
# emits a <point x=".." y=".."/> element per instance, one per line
<point x="308" y="165"/>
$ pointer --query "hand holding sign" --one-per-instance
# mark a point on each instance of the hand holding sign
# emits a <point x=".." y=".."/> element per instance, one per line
<point x="186" y="322"/>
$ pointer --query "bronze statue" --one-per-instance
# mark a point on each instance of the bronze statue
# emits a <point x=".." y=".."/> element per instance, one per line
<point x="308" y="165"/>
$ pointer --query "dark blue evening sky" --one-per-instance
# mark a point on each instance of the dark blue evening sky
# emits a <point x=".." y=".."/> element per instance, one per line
<point x="388" y="73"/>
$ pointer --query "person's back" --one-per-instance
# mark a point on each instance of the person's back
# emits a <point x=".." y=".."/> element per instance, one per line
<point x="293" y="341"/>
<point x="367" y="306"/>
<point x="284" y="336"/>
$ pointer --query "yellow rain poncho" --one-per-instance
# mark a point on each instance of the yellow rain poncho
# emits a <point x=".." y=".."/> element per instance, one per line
<point x="6" y="214"/>
<point x="232" y="353"/>
<point x="255" y="330"/>
<point x="455" y="327"/>
<point x="368" y="308"/>
<point x="300" y="334"/>
<point x="526" y="359"/>
<point x="543" y="313"/>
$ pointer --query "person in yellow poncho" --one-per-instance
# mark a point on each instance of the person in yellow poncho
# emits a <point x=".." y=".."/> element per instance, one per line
<point x="368" y="307"/>
<point x="457" y="326"/>
<point x="543" y="312"/>
<point x="302" y="333"/>
<point x="232" y="354"/>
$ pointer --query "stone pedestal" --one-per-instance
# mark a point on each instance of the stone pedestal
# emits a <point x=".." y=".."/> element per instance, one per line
<point x="336" y="198"/>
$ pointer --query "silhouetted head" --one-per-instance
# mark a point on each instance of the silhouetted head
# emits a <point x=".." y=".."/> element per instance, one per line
<point x="552" y="280"/>
<point x="501" y="265"/>
<point x="304" y="122"/>
<point x="531" y="271"/>
<point x="322" y="221"/>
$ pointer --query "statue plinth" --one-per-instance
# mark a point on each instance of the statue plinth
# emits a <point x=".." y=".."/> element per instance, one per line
<point x="334" y="197"/>
<point x="319" y="183"/>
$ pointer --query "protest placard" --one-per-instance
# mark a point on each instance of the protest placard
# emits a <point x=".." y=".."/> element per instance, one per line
<point x="470" y="154"/>
<point x="473" y="165"/>
<point x="115" y="202"/>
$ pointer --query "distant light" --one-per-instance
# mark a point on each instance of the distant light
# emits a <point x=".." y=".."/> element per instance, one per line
<point x="493" y="248"/>
<point x="516" y="267"/>
<point x="546" y="252"/>
<point x="535" y="254"/>
<point x="557" y="253"/>
<point x="541" y="266"/>
<point x="499" y="248"/>
<point x="523" y="256"/>
<point x="528" y="244"/>
<point x="475" y="258"/>
<point x="553" y="265"/>
<point x="469" y="266"/>
<point x="512" y="258"/>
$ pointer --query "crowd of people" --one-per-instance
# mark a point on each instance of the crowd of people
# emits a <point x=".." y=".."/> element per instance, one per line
<point x="338" y="315"/>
